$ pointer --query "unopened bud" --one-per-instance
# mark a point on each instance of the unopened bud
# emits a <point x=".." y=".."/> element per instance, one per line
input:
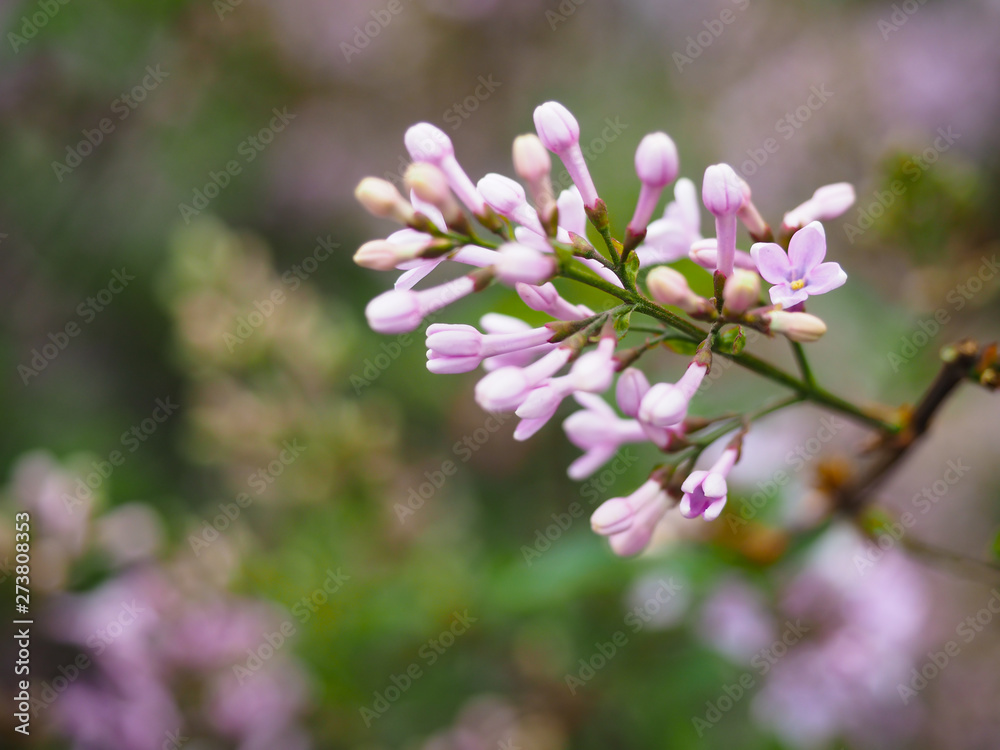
<point x="431" y="186"/>
<point x="798" y="326"/>
<point x="742" y="291"/>
<point x="381" y="198"/>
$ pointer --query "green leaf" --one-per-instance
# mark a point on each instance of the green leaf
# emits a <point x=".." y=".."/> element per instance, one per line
<point x="632" y="267"/>
<point x="622" y="320"/>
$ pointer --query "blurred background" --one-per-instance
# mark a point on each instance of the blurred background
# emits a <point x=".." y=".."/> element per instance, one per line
<point x="242" y="530"/>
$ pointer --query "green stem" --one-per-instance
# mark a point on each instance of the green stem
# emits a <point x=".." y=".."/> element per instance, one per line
<point x="806" y="390"/>
<point x="803" y="361"/>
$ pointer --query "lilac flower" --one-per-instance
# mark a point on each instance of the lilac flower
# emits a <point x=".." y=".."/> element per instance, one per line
<point x="705" y="491"/>
<point x="723" y="194"/>
<point x="598" y="431"/>
<point x="402" y="311"/>
<point x="670" y="238"/>
<point x="461" y="348"/>
<point x="666" y="404"/>
<point x="560" y="132"/>
<point x="420" y="268"/>
<point x="591" y="373"/>
<point x="507" y="198"/>
<point x="629" y="521"/>
<point x="656" y="165"/>
<point x="427" y="143"/>
<point x="518" y="263"/>
<point x="632" y="388"/>
<point x="828" y="202"/>
<point x="705" y="253"/>
<point x="506" y="388"/>
<point x="495" y="323"/>
<point x="546" y="299"/>
<point x="801" y="273"/>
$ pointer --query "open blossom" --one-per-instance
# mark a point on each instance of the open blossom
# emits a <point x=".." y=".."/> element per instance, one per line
<point x="598" y="431"/>
<point x="629" y="521"/>
<point x="801" y="273"/>
<point x="705" y="491"/>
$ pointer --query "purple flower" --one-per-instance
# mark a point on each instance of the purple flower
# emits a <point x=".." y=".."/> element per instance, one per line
<point x="666" y="404"/>
<point x="705" y="491"/>
<point x="801" y="273"/>
<point x="629" y="521"/>
<point x="598" y="431"/>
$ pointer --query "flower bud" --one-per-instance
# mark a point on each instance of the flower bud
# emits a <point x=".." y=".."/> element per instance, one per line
<point x="656" y="160"/>
<point x="520" y="263"/>
<point x="428" y="143"/>
<point x="798" y="326"/>
<point x="381" y="198"/>
<point x="669" y="287"/>
<point x="557" y="128"/>
<point x="722" y="190"/>
<point x="742" y="291"/>
<point x="383" y="255"/>
<point x="430" y="185"/>
<point x="632" y="386"/>
<point x="531" y="159"/>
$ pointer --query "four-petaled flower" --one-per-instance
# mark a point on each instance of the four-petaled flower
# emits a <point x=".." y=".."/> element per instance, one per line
<point x="801" y="273"/>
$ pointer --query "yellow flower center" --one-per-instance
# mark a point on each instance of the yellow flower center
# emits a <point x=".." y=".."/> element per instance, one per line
<point x="798" y="284"/>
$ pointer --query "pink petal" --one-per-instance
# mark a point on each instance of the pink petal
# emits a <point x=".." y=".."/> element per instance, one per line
<point x="807" y="249"/>
<point x="772" y="263"/>
<point x="824" y="278"/>
<point x="783" y="295"/>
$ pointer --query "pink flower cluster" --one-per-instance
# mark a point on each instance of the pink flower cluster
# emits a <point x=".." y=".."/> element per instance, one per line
<point x="539" y="236"/>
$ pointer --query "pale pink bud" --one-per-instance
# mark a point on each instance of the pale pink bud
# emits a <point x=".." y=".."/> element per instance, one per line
<point x="798" y="326"/>
<point x="656" y="160"/>
<point x="520" y="263"/>
<point x="557" y="128"/>
<point x="705" y="253"/>
<point x="402" y="310"/>
<point x="430" y="185"/>
<point x="749" y="214"/>
<point x="722" y="190"/>
<point x="507" y="198"/>
<point x="544" y="298"/>
<point x="560" y="133"/>
<point x="666" y="404"/>
<point x="381" y="198"/>
<point x="428" y="143"/>
<point x="507" y="388"/>
<point x="669" y="287"/>
<point x="630" y="521"/>
<point x="632" y="386"/>
<point x="531" y="159"/>
<point x="742" y="291"/>
<point x="384" y="255"/>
